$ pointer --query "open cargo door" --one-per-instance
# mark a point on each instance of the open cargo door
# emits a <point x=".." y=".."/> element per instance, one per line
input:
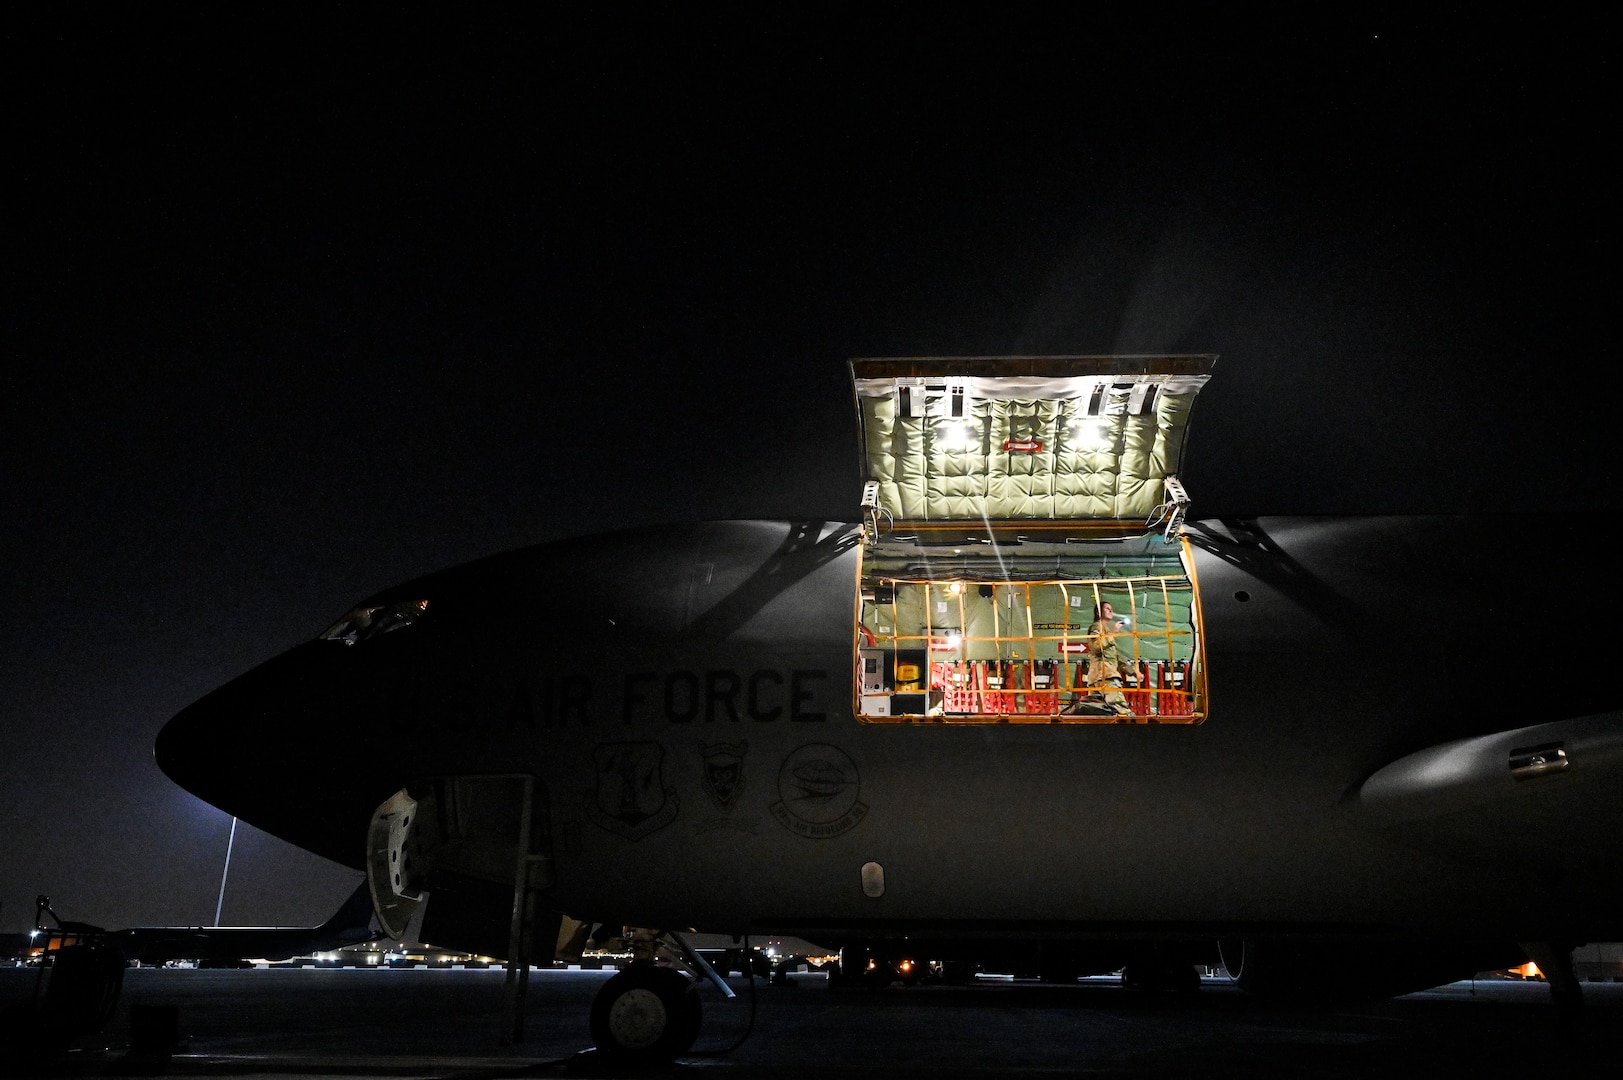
<point x="1023" y="556"/>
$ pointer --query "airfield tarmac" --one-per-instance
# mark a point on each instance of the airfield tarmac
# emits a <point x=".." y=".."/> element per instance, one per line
<point x="446" y="1023"/>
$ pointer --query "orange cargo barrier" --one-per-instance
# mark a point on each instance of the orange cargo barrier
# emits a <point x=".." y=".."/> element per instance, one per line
<point x="1141" y="699"/>
<point x="960" y="692"/>
<point x="1171" y="692"/>
<point x="1001" y="683"/>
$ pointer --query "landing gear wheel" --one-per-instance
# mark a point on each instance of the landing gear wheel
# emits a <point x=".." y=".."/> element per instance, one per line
<point x="646" y="1014"/>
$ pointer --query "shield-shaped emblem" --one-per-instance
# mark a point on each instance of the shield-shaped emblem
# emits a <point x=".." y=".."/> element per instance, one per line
<point x="631" y="798"/>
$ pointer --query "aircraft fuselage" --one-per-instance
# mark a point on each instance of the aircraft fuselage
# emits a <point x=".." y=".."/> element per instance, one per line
<point x="684" y="700"/>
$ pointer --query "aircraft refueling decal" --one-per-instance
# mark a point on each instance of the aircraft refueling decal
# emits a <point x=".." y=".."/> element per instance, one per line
<point x="818" y="788"/>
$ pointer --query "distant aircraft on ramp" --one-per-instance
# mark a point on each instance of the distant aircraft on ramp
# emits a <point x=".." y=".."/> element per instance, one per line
<point x="351" y="924"/>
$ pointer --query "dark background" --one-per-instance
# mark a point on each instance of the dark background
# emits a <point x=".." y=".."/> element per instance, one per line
<point x="300" y="304"/>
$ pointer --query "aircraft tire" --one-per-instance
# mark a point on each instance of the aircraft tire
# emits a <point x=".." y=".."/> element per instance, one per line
<point x="646" y="1014"/>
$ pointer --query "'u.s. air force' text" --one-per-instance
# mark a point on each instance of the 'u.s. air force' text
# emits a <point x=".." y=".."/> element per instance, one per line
<point x="716" y="695"/>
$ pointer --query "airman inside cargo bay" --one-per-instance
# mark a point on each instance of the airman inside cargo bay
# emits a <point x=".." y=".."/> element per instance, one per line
<point x="1104" y="656"/>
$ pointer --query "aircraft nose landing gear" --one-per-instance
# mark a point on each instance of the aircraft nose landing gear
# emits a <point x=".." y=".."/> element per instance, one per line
<point x="646" y="1014"/>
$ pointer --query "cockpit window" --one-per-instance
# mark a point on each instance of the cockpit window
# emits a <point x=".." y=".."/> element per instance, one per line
<point x="366" y="622"/>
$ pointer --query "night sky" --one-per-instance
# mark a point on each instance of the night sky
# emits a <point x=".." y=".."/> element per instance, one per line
<point x="299" y="305"/>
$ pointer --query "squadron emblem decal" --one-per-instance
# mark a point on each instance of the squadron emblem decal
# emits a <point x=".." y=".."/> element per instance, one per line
<point x="818" y="787"/>
<point x="724" y="772"/>
<point x="631" y="799"/>
<point x="723" y="779"/>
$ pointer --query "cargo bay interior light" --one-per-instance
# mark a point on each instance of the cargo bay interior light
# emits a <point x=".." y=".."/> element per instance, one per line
<point x="1089" y="432"/>
<point x="953" y="435"/>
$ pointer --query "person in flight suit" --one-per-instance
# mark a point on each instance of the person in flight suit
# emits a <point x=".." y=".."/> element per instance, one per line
<point x="1104" y="657"/>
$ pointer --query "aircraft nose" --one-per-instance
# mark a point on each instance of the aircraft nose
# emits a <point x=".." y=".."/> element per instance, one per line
<point x="270" y="747"/>
<point x="205" y="741"/>
<point x="237" y="727"/>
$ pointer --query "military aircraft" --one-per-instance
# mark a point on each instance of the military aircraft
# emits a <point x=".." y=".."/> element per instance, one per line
<point x="87" y="964"/>
<point x="1022" y="711"/>
<point x="351" y="924"/>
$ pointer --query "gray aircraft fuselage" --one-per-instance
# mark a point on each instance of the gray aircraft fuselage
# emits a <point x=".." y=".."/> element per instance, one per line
<point x="684" y="698"/>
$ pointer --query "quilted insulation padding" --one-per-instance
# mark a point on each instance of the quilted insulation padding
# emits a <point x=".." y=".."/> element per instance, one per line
<point x="993" y="476"/>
